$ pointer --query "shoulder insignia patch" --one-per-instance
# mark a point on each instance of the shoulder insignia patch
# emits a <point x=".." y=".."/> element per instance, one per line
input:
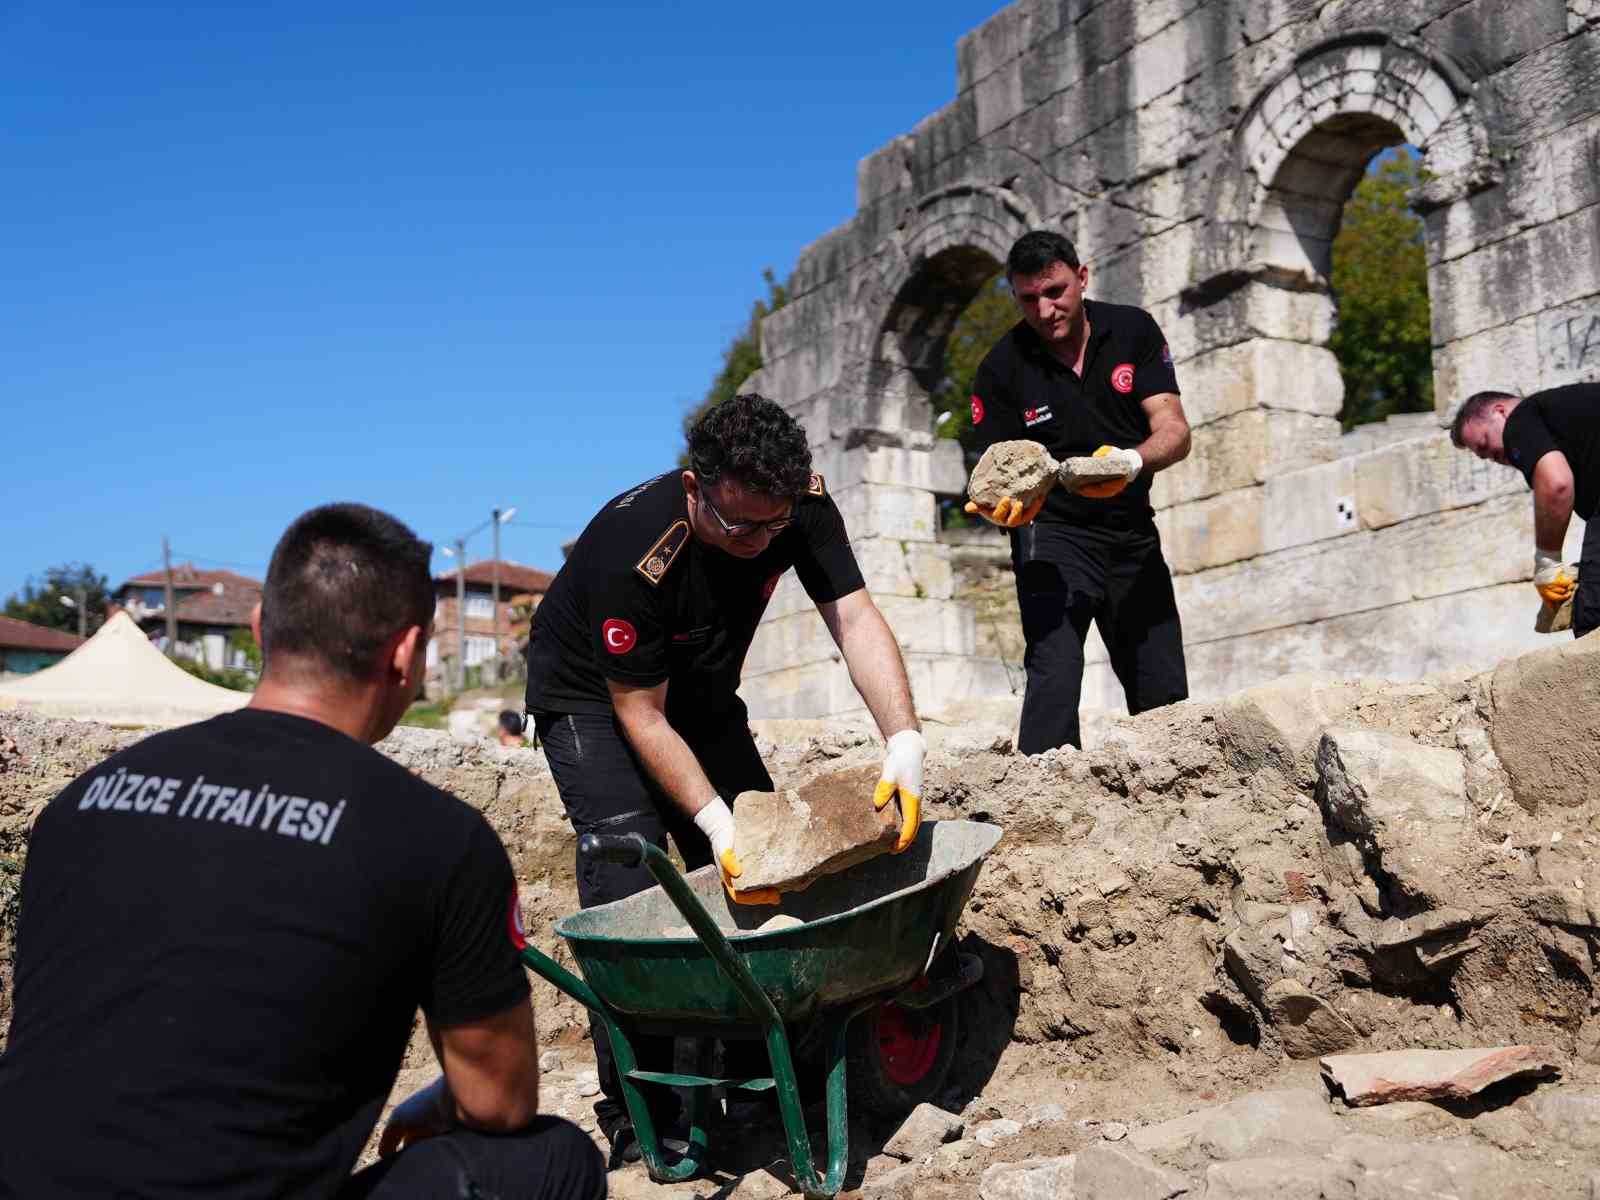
<point x="816" y="487"/>
<point x="653" y="566"/>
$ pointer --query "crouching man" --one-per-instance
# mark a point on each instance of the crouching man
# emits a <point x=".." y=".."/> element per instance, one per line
<point x="227" y="929"/>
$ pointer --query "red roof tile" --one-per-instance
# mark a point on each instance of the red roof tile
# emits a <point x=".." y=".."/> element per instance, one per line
<point x="514" y="577"/>
<point x="25" y="635"/>
<point x="187" y="576"/>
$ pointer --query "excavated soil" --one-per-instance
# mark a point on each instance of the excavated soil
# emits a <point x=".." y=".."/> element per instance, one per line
<point x="1356" y="843"/>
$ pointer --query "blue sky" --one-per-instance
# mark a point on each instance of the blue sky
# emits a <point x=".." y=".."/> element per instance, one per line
<point x="434" y="257"/>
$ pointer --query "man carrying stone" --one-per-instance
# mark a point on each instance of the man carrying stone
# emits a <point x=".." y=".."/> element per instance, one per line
<point x="637" y="650"/>
<point x="1553" y="438"/>
<point x="227" y="929"/>
<point x="1084" y="377"/>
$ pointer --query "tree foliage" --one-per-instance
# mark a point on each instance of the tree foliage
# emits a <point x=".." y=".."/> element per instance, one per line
<point x="984" y="321"/>
<point x="1380" y="276"/>
<point x="742" y="358"/>
<point x="41" y="603"/>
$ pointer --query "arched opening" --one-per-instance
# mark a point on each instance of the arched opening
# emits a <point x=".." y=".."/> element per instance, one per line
<point x="927" y="307"/>
<point x="1338" y="215"/>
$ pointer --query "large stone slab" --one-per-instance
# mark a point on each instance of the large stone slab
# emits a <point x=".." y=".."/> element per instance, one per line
<point x="1546" y="726"/>
<point x="789" y="838"/>
<point x="1366" y="1079"/>
<point x="1282" y="1121"/>
<point x="1403" y="803"/>
<point x="1300" y="1176"/>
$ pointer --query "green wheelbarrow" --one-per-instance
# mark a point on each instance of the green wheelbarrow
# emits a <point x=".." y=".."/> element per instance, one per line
<point x="867" y="984"/>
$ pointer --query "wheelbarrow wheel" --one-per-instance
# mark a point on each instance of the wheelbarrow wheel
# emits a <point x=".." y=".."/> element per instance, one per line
<point x="900" y="1057"/>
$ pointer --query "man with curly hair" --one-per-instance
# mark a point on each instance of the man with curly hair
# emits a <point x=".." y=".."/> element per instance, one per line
<point x="636" y="654"/>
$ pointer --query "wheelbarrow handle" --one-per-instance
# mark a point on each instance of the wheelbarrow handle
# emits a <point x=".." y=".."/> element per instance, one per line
<point x="628" y="849"/>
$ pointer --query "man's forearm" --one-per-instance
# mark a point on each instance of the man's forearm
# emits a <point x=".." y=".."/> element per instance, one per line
<point x="1552" y="513"/>
<point x="667" y="757"/>
<point x="878" y="671"/>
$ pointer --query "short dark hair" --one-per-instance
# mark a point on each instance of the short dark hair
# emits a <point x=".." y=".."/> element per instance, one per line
<point x="1034" y="252"/>
<point x="1473" y="407"/>
<point x="343" y="580"/>
<point x="752" y="440"/>
<point x="511" y="721"/>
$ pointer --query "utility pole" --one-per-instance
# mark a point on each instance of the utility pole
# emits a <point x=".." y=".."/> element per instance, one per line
<point x="496" y="519"/>
<point x="172" y="610"/>
<point x="461" y="613"/>
<point x="83" y="611"/>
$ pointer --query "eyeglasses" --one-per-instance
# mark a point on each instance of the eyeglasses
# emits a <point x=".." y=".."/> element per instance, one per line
<point x="746" y="528"/>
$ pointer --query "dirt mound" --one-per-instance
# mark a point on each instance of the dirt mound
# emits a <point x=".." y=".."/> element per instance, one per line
<point x="1214" y="891"/>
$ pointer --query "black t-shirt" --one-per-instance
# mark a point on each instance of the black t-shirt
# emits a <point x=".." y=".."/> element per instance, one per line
<point x="1023" y="391"/>
<point x="640" y="600"/>
<point x="1565" y="419"/>
<point x="226" y="932"/>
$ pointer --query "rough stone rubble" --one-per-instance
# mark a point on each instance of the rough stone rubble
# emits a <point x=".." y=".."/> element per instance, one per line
<point x="1182" y="927"/>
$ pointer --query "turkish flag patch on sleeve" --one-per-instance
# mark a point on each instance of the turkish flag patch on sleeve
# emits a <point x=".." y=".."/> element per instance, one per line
<point x="1122" y="378"/>
<point x="514" y="927"/>
<point x="618" y="635"/>
<point x="977" y="410"/>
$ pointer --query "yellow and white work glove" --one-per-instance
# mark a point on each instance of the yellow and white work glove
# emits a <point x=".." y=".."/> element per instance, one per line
<point x="1130" y="460"/>
<point x="1552" y="578"/>
<point x="902" y="773"/>
<point x="1008" y="513"/>
<point x="716" y="822"/>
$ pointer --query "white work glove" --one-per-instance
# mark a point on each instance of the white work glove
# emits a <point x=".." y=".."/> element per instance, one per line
<point x="1554" y="580"/>
<point x="902" y="774"/>
<point x="715" y="820"/>
<point x="1131" y="460"/>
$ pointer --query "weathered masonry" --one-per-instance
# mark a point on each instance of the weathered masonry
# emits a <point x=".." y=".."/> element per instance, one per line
<point x="1199" y="152"/>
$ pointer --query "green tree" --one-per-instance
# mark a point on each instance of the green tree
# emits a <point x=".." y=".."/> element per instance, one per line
<point x="1380" y="277"/>
<point x="244" y="641"/>
<point x="742" y="358"/>
<point x="984" y="321"/>
<point x="42" y="604"/>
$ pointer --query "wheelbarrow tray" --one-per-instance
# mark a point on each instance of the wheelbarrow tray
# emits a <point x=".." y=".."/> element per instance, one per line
<point x="872" y="929"/>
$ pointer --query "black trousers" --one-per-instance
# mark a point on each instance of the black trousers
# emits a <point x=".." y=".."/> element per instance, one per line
<point x="605" y="789"/>
<point x="1068" y="576"/>
<point x="1586" y="604"/>
<point x="552" y="1159"/>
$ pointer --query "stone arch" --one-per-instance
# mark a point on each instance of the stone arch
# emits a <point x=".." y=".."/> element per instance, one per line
<point x="1305" y="139"/>
<point x="949" y="243"/>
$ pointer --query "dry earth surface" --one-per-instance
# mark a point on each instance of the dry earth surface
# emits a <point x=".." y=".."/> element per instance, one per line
<point x="1177" y="924"/>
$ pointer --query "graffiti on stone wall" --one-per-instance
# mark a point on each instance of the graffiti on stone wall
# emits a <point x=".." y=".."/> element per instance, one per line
<point x="1569" y="343"/>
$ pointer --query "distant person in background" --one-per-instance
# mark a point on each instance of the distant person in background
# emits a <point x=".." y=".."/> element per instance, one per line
<point x="227" y="929"/>
<point x="509" y="732"/>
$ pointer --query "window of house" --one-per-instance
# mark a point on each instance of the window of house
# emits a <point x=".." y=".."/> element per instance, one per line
<point x="479" y="649"/>
<point x="480" y="606"/>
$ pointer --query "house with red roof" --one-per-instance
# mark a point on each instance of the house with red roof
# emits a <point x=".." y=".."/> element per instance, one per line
<point x="26" y="647"/>
<point x="490" y="637"/>
<point x="210" y="606"/>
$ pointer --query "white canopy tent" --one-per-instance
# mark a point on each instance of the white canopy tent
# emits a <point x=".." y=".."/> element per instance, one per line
<point x="118" y="678"/>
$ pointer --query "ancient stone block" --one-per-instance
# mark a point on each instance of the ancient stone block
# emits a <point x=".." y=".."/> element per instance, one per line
<point x="1423" y="476"/>
<point x="1364" y="1079"/>
<point x="1309" y="505"/>
<point x="1572" y="1120"/>
<point x="1546" y="726"/>
<point x="1212" y="532"/>
<point x="1274" y="1178"/>
<point x="1285" y="1121"/>
<point x="1019" y="469"/>
<point x="1404" y="803"/>
<point x="787" y="839"/>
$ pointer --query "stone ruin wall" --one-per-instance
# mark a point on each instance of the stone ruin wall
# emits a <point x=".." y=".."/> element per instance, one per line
<point x="1199" y="154"/>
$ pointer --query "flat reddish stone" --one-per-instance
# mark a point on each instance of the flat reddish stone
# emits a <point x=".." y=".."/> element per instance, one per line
<point x="1366" y="1079"/>
<point x="787" y="839"/>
